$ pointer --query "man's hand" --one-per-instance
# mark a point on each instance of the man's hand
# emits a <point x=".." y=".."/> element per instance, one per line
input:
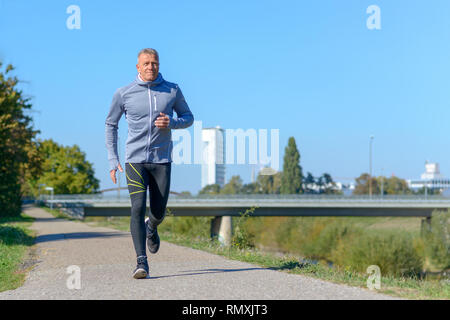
<point x="112" y="173"/>
<point x="162" y="121"/>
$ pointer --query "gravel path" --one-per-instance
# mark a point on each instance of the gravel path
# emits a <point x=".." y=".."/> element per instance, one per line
<point x="105" y="258"/>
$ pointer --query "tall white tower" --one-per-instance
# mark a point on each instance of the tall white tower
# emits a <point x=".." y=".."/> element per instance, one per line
<point x="213" y="164"/>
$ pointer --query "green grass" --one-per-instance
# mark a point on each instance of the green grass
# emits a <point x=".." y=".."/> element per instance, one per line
<point x="395" y="244"/>
<point x="57" y="213"/>
<point x="15" y="241"/>
<point x="405" y="287"/>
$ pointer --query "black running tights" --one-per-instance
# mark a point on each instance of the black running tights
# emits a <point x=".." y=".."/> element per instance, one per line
<point x="140" y="177"/>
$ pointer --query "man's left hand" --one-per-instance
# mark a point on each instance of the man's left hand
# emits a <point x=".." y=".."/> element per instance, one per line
<point x="162" y="121"/>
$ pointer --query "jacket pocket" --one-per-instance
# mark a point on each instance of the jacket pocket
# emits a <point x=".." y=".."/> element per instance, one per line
<point x="160" y="153"/>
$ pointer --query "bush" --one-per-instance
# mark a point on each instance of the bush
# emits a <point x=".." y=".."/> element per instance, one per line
<point x="195" y="227"/>
<point x="335" y="240"/>
<point x="242" y="238"/>
<point x="344" y="243"/>
<point x="436" y="239"/>
<point x="333" y="231"/>
<point x="314" y="238"/>
<point x="396" y="253"/>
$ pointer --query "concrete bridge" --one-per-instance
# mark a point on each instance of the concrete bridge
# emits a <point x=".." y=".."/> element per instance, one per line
<point x="224" y="207"/>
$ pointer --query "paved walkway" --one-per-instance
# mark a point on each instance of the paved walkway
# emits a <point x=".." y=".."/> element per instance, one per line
<point x="106" y="259"/>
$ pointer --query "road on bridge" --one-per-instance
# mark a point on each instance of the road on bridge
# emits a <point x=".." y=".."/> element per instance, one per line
<point x="105" y="260"/>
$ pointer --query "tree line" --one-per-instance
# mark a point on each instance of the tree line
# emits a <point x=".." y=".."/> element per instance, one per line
<point x="288" y="181"/>
<point x="28" y="164"/>
<point x="292" y="181"/>
<point x="387" y="186"/>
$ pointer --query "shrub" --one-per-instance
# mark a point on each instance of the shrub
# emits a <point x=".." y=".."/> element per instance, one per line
<point x="394" y="252"/>
<point x="242" y="238"/>
<point x="196" y="227"/>
<point x="314" y="238"/>
<point x="331" y="234"/>
<point x="436" y="239"/>
<point x="342" y="242"/>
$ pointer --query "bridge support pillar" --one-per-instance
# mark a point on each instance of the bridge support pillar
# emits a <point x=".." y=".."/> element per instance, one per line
<point x="222" y="228"/>
<point x="425" y="225"/>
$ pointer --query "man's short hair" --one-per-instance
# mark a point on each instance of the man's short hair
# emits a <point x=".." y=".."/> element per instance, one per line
<point x="149" y="51"/>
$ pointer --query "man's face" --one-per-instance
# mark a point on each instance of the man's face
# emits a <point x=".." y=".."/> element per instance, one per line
<point x="148" y="66"/>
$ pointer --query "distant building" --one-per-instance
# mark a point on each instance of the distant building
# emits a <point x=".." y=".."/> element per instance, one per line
<point x="337" y="186"/>
<point x="342" y="186"/>
<point x="431" y="178"/>
<point x="431" y="172"/>
<point x="347" y="185"/>
<point x="213" y="164"/>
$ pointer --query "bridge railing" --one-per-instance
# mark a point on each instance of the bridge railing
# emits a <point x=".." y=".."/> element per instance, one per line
<point x="274" y="197"/>
<point x="225" y="206"/>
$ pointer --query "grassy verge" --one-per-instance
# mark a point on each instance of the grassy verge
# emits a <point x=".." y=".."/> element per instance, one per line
<point x="194" y="232"/>
<point x="405" y="287"/>
<point x="15" y="240"/>
<point x="57" y="213"/>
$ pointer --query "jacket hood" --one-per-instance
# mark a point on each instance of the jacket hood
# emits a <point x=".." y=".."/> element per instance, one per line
<point x="159" y="79"/>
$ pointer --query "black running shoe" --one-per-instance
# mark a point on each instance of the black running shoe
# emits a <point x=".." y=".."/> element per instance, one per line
<point x="141" y="270"/>
<point x="152" y="238"/>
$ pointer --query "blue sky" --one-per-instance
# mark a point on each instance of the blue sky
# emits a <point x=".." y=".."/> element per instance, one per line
<point x="309" y="68"/>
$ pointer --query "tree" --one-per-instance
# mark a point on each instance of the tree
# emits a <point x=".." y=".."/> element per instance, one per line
<point x="19" y="158"/>
<point x="309" y="183"/>
<point x="392" y="185"/>
<point x="395" y="185"/>
<point x="269" y="184"/>
<point x="321" y="185"/>
<point x="362" y="185"/>
<point x="291" y="181"/>
<point x="428" y="191"/>
<point x="210" y="189"/>
<point x="329" y="186"/>
<point x="66" y="169"/>
<point x="234" y="186"/>
<point x="251" y="188"/>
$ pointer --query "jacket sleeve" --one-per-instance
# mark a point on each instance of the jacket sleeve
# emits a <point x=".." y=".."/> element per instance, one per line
<point x="185" y="118"/>
<point x="112" y="120"/>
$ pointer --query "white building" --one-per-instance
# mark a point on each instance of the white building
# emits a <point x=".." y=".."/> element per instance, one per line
<point x="431" y="178"/>
<point x="431" y="172"/>
<point x="213" y="164"/>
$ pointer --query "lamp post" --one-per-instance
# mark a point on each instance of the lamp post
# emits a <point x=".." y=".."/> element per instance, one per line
<point x="370" y="166"/>
<point x="51" y="190"/>
<point x="39" y="192"/>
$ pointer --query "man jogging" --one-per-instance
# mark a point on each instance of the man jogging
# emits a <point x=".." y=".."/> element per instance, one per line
<point x="148" y="103"/>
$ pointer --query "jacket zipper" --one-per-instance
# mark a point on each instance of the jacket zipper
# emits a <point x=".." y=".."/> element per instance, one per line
<point x="150" y="123"/>
<point x="154" y="100"/>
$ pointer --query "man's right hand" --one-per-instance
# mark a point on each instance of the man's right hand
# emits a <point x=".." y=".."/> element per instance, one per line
<point x="112" y="173"/>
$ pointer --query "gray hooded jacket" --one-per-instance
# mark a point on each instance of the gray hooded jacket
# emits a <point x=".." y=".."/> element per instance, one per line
<point x="142" y="102"/>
